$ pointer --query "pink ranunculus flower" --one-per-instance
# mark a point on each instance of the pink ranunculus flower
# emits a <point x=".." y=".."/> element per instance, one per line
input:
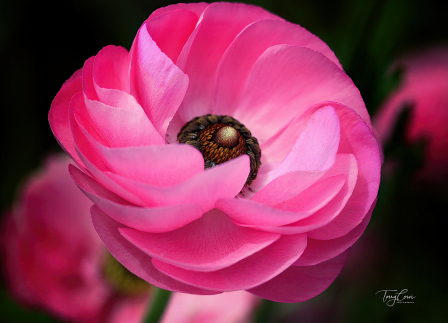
<point x="424" y="89"/>
<point x="54" y="260"/>
<point x="167" y="139"/>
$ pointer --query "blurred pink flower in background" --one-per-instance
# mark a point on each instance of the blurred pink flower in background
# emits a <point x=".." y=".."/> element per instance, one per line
<point x="424" y="89"/>
<point x="54" y="260"/>
<point x="216" y="86"/>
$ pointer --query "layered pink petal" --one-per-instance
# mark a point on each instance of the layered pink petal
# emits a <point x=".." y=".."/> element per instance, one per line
<point x="247" y="273"/>
<point x="356" y="139"/>
<point x="297" y="182"/>
<point x="252" y="214"/>
<point x="159" y="219"/>
<point x="94" y="161"/>
<point x="132" y="258"/>
<point x="150" y="164"/>
<point x="300" y="283"/>
<point x="269" y="101"/>
<point x="315" y="149"/>
<point x="88" y="87"/>
<point x="218" y="27"/>
<point x="212" y="242"/>
<point x="84" y="133"/>
<point x="240" y="57"/>
<point x="124" y="125"/>
<point x="156" y="82"/>
<point x="345" y="167"/>
<point x="196" y="8"/>
<point x="318" y="251"/>
<point x="280" y="145"/>
<point x="171" y="30"/>
<point x="222" y="181"/>
<point x="59" y="115"/>
<point x="111" y="71"/>
<point x="312" y="205"/>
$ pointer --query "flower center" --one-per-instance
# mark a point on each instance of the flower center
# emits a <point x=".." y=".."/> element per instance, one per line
<point x="220" y="139"/>
<point x="121" y="279"/>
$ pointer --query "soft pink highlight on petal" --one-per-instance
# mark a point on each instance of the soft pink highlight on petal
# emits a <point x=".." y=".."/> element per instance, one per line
<point x="316" y="148"/>
<point x="210" y="243"/>
<point x="252" y="214"/>
<point x="85" y="135"/>
<point x="345" y="166"/>
<point x="148" y="164"/>
<point x="356" y="139"/>
<point x="222" y="181"/>
<point x="88" y="87"/>
<point x="111" y="70"/>
<point x="203" y="52"/>
<point x="171" y="30"/>
<point x="269" y="101"/>
<point x="298" y="284"/>
<point x="156" y="82"/>
<point x="156" y="220"/>
<point x="132" y="258"/>
<point x="121" y="127"/>
<point x="246" y="273"/>
<point x="273" y="193"/>
<point x="240" y="57"/>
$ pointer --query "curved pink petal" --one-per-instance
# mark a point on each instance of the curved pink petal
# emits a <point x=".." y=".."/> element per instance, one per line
<point x="159" y="166"/>
<point x="318" y="251"/>
<point x="197" y="8"/>
<point x="269" y="101"/>
<point x="222" y="181"/>
<point x="111" y="70"/>
<point x="314" y="197"/>
<point x="315" y="149"/>
<point x="94" y="161"/>
<point x="156" y="220"/>
<point x="247" y="273"/>
<point x="59" y="115"/>
<point x="300" y="283"/>
<point x="123" y="126"/>
<point x="156" y="82"/>
<point x="280" y="145"/>
<point x="133" y="259"/>
<point x="345" y="166"/>
<point x="252" y="214"/>
<point x="88" y="87"/>
<point x="212" y="242"/>
<point x="171" y="30"/>
<point x="220" y="24"/>
<point x="243" y="52"/>
<point x="356" y="139"/>
<point x="279" y="212"/>
<point x="84" y="133"/>
<point x="109" y="184"/>
<point x="297" y="182"/>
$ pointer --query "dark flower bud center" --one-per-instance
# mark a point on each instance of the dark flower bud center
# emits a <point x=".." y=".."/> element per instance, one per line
<point x="220" y="139"/>
<point x="226" y="137"/>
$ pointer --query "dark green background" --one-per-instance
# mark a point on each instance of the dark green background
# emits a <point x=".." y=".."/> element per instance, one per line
<point x="43" y="43"/>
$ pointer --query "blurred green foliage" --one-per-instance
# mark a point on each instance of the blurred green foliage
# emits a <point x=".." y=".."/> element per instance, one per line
<point x="43" y="43"/>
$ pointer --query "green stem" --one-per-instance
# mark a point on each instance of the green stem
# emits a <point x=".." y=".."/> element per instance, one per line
<point x="159" y="303"/>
